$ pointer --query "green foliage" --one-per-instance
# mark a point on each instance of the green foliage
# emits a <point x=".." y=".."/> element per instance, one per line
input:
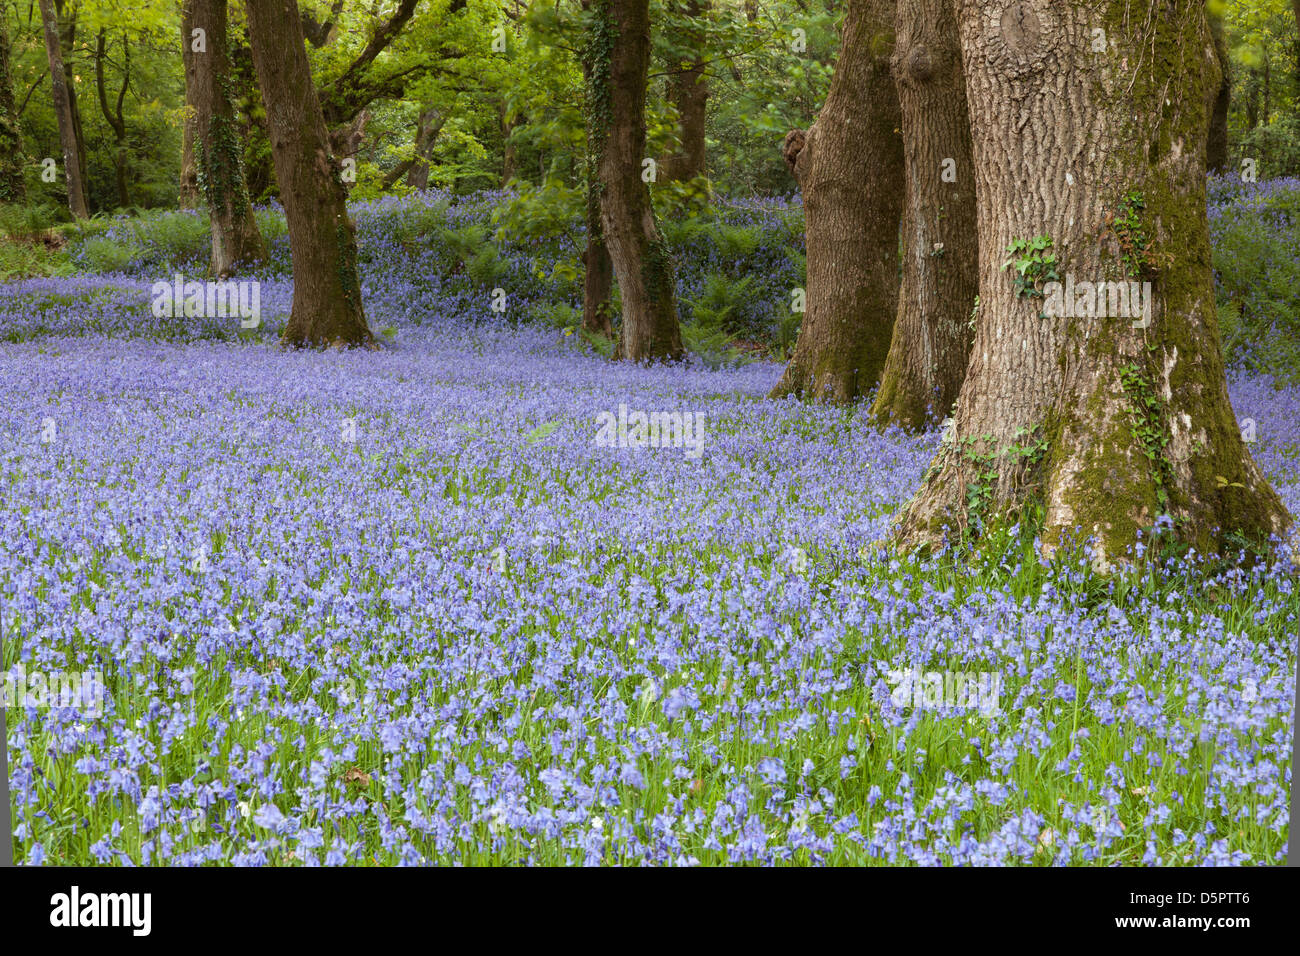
<point x="1126" y="223"/>
<point x="713" y="348"/>
<point x="722" y="303"/>
<point x="26" y="221"/>
<point x="1255" y="235"/>
<point x="1035" y="265"/>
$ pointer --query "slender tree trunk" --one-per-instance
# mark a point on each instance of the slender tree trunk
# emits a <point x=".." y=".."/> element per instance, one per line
<point x="1216" y="150"/>
<point x="509" y="164"/>
<point x="416" y="169"/>
<point x="72" y="167"/>
<point x="849" y="166"/>
<point x="639" y="254"/>
<point x="1093" y="417"/>
<point x="932" y="331"/>
<point x="236" y="240"/>
<point x="688" y="91"/>
<point x="115" y="119"/>
<point x="12" y="187"/>
<point x="327" y="306"/>
<point x="431" y="124"/>
<point x="69" y="46"/>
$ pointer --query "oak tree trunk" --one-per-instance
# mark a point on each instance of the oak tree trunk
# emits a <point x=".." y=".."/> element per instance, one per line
<point x="688" y="91"/>
<point x="932" y="330"/>
<point x="640" y="257"/>
<point x="236" y="240"/>
<point x="1091" y="418"/>
<point x="327" y="306"/>
<point x="72" y="166"/>
<point x="849" y="165"/>
<point x="12" y="187"/>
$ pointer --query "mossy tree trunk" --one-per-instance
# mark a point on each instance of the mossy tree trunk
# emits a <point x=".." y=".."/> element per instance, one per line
<point x="1096" y="424"/>
<point x="688" y="91"/>
<point x="327" y="306"/>
<point x="1216" y="150"/>
<point x="12" y="187"/>
<point x="236" y="240"/>
<point x="932" y="330"/>
<point x="620" y="48"/>
<point x="849" y="165"/>
<point x="598" y="271"/>
<point x="72" y="165"/>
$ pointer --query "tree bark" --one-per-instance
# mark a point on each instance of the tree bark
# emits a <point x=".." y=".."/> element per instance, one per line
<point x="1216" y="150"/>
<point x="68" y="17"/>
<point x="72" y="165"/>
<point x="327" y="307"/>
<point x="849" y="165"/>
<point x="236" y="240"/>
<point x="932" y="331"/>
<point x="12" y="187"/>
<point x="688" y="91"/>
<point x="621" y="45"/>
<point x="189" y="182"/>
<point x="598" y="271"/>
<point x="1093" y="425"/>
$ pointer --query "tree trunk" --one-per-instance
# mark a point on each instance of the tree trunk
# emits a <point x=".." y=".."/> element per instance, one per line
<point x="72" y="167"/>
<point x="849" y="166"/>
<point x="115" y="119"/>
<point x="1216" y="150"/>
<point x="689" y="92"/>
<point x="932" y="331"/>
<point x="598" y="271"/>
<point x="327" y="306"/>
<point x="509" y="162"/>
<point x="621" y="41"/>
<point x="189" y="183"/>
<point x="69" y="46"/>
<point x="1091" y="420"/>
<point x="431" y="124"/>
<point x="12" y="187"/>
<point x="236" y="240"/>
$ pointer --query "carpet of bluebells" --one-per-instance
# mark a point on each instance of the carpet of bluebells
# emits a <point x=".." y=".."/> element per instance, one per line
<point x="398" y="607"/>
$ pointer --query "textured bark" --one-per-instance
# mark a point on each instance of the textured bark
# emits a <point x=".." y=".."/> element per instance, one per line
<point x="1216" y="149"/>
<point x="598" y="271"/>
<point x="12" y="187"/>
<point x="1087" y="427"/>
<point x="849" y="165"/>
<point x="688" y="91"/>
<point x="66" y="14"/>
<point x="72" y="165"/>
<point x="640" y="257"/>
<point x="189" y="183"/>
<point x="326" y="294"/>
<point x="932" y="331"/>
<point x="236" y="240"/>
